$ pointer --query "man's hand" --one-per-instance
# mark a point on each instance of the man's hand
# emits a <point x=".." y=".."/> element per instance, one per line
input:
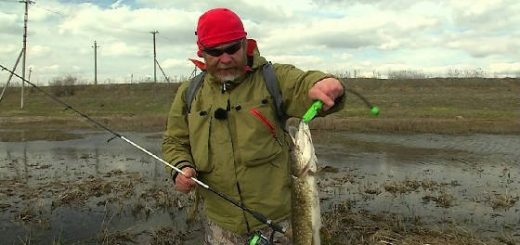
<point x="326" y="90"/>
<point x="183" y="182"/>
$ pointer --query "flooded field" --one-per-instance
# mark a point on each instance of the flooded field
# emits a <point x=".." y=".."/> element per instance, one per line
<point x="399" y="189"/>
<point x="442" y="183"/>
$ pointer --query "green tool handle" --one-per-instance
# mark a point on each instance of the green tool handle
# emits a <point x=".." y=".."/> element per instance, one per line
<point x="312" y="111"/>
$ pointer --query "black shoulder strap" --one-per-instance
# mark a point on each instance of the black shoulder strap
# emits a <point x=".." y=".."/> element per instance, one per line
<point x="274" y="89"/>
<point x="192" y="89"/>
<point x="270" y="82"/>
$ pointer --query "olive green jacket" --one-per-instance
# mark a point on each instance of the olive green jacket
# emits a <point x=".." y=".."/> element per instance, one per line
<point x="239" y="155"/>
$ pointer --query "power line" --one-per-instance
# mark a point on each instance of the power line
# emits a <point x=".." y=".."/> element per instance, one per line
<point x="169" y="39"/>
<point x="52" y="11"/>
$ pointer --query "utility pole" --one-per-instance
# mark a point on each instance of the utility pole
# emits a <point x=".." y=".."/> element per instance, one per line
<point x="154" y="57"/>
<point x="26" y="17"/>
<point x="95" y="62"/>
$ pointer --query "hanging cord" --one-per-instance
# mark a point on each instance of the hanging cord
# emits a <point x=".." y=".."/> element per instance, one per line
<point x="373" y="109"/>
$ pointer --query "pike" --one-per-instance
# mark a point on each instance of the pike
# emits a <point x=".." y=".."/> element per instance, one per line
<point x="306" y="217"/>
<point x="306" y="221"/>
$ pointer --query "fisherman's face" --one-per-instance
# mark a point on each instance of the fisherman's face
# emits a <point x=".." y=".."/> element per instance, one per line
<point x="226" y="62"/>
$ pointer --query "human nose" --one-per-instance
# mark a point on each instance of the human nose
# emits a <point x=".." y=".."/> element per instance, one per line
<point x="225" y="58"/>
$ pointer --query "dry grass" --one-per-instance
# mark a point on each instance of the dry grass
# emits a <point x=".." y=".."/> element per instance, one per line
<point x="443" y="199"/>
<point x="503" y="201"/>
<point x="343" y="226"/>
<point x="400" y="187"/>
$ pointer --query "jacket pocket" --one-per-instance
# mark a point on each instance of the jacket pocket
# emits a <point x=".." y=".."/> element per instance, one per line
<point x="259" y="135"/>
<point x="199" y="123"/>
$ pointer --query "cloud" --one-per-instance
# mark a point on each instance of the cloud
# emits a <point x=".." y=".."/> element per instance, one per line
<point x="10" y="49"/>
<point x="10" y="24"/>
<point x="119" y="48"/>
<point x="332" y="35"/>
<point x="39" y="51"/>
<point x="506" y="69"/>
<point x="482" y="46"/>
<point x="176" y="64"/>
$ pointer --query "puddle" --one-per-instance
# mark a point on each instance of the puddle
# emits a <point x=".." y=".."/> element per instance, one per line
<point x="85" y="190"/>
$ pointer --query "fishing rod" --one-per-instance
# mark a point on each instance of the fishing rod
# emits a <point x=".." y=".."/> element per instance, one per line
<point x="260" y="217"/>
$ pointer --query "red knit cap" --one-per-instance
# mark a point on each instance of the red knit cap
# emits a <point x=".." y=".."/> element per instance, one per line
<point x="218" y="26"/>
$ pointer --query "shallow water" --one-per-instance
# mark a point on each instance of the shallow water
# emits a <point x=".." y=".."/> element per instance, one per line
<point x="31" y="173"/>
<point x="476" y="171"/>
<point x="130" y="196"/>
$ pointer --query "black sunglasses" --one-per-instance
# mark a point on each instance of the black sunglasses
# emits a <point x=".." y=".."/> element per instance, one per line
<point x="216" y="52"/>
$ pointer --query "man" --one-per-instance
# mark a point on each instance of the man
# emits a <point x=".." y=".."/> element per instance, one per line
<point x="232" y="139"/>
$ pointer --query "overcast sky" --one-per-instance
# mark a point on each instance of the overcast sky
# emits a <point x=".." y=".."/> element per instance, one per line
<point x="366" y="36"/>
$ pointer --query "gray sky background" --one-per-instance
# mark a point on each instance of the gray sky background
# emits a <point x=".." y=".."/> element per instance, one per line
<point x="369" y="37"/>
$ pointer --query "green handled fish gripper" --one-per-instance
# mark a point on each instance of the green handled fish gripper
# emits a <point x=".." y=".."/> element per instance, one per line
<point x="312" y="111"/>
<point x="317" y="105"/>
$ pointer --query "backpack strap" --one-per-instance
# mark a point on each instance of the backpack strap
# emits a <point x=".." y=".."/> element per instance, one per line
<point x="274" y="89"/>
<point x="194" y="85"/>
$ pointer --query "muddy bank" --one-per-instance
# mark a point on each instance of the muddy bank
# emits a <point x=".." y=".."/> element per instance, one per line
<point x="375" y="188"/>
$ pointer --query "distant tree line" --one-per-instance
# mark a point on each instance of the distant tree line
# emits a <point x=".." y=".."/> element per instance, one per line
<point x="63" y="86"/>
<point x="417" y="74"/>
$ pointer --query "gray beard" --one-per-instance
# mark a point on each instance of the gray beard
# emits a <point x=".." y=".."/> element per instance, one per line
<point x="228" y="78"/>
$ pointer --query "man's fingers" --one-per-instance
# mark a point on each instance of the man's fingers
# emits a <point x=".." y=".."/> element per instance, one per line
<point x="183" y="182"/>
<point x="189" y="172"/>
<point x="327" y="99"/>
<point x="326" y="90"/>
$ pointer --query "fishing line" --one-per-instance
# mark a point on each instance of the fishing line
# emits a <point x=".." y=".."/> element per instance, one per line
<point x="255" y="214"/>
